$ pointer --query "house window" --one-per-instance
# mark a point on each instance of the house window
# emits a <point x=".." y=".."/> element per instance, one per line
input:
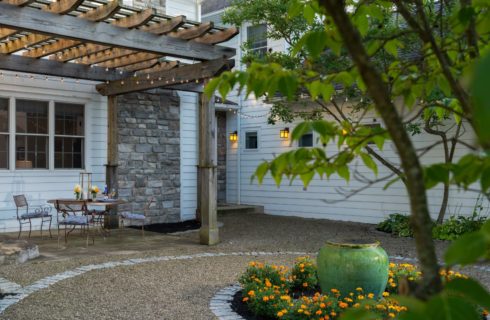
<point x="31" y="139"/>
<point x="69" y="136"/>
<point x="251" y="140"/>
<point x="306" y="140"/>
<point x="4" y="133"/>
<point x="257" y="38"/>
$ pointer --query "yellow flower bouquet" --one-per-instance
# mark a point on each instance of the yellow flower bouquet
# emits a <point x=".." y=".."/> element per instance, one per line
<point x="77" y="190"/>
<point x="94" y="190"/>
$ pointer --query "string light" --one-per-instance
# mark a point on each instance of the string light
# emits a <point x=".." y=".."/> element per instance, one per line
<point x="62" y="80"/>
<point x="151" y="82"/>
<point x="148" y="76"/>
<point x="121" y="72"/>
<point x="122" y="82"/>
<point x="106" y="69"/>
<point x="137" y="82"/>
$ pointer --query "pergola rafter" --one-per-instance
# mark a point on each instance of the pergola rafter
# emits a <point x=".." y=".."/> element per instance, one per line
<point x="122" y="48"/>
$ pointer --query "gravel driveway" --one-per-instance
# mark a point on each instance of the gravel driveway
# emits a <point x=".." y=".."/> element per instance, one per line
<point x="175" y="289"/>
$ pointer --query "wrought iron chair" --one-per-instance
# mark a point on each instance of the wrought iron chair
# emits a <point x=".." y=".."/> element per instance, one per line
<point x="141" y="217"/>
<point x="26" y="218"/>
<point x="68" y="210"/>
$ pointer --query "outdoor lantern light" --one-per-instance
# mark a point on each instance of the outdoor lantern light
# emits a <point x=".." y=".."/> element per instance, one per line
<point x="234" y="136"/>
<point x="284" y="133"/>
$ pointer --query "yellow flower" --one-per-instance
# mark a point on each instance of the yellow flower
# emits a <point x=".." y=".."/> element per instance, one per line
<point x="77" y="189"/>
<point x="370" y="295"/>
<point x="94" y="189"/>
<point x="280" y="314"/>
<point x="386" y="294"/>
<point x="265" y="299"/>
<point x="343" y="305"/>
<point x="305" y="284"/>
<point x="391" y="315"/>
<point x="359" y="289"/>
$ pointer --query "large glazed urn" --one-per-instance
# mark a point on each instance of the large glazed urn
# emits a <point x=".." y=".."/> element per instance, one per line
<point x="347" y="265"/>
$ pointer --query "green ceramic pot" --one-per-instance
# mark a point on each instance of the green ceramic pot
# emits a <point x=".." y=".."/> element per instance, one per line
<point x="347" y="265"/>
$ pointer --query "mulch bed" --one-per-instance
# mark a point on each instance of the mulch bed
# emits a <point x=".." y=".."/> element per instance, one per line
<point x="171" y="227"/>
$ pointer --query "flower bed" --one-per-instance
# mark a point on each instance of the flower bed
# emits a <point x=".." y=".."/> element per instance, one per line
<point x="275" y="292"/>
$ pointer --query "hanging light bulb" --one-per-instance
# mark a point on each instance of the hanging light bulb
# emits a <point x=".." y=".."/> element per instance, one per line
<point x="137" y="82"/>
<point x="46" y="78"/>
<point x="107" y="82"/>
<point x="159" y="78"/>
<point x="151" y="81"/>
<point x="121" y="72"/>
<point x="62" y="80"/>
<point x="122" y="82"/>
<point x="106" y="69"/>
<point x="148" y="76"/>
<point x="197" y="80"/>
<point x="16" y="76"/>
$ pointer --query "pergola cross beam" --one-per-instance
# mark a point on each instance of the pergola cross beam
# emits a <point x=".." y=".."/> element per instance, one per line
<point x="65" y="26"/>
<point x="181" y="75"/>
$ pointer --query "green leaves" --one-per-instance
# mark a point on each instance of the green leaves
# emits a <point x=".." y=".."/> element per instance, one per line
<point x="435" y="174"/>
<point x="471" y="289"/>
<point x="369" y="162"/>
<point x="467" y="249"/>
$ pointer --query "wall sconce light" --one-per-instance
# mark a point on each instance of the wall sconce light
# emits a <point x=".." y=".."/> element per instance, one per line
<point x="234" y="136"/>
<point x="284" y="133"/>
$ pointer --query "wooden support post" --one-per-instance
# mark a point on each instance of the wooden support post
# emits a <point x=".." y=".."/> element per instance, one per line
<point x="111" y="221"/>
<point x="207" y="172"/>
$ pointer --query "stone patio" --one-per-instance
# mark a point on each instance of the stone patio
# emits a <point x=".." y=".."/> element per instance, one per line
<point x="160" y="276"/>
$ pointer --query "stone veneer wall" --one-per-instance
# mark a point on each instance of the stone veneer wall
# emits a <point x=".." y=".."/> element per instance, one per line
<point x="221" y="144"/>
<point x="159" y="5"/>
<point x="149" y="153"/>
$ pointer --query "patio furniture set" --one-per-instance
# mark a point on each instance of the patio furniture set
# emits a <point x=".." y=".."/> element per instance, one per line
<point x="73" y="213"/>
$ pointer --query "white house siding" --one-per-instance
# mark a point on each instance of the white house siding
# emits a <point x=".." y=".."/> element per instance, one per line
<point x="188" y="155"/>
<point x="370" y="205"/>
<point x="41" y="185"/>
<point x="188" y="8"/>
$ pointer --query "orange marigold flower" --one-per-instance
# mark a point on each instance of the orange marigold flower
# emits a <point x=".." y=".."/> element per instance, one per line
<point x="391" y="315"/>
<point x="251" y="293"/>
<point x="318" y="312"/>
<point x="322" y="305"/>
<point x="333" y="313"/>
<point x="280" y="314"/>
<point x="245" y="299"/>
<point x="370" y="295"/>
<point x="334" y="290"/>
<point x="343" y="305"/>
<point x="265" y="299"/>
<point x="305" y="284"/>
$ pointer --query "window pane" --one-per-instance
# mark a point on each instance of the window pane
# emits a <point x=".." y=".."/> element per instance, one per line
<point x="68" y="153"/>
<point x="69" y="119"/>
<point x="251" y="140"/>
<point x="4" y="115"/>
<point x="4" y="154"/>
<point x="257" y="38"/>
<point x="31" y="152"/>
<point x="31" y="116"/>
<point x="306" y="140"/>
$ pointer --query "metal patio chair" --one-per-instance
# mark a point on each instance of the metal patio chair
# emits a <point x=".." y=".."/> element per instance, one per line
<point x="26" y="218"/>
<point x="73" y="213"/>
<point x="141" y="217"/>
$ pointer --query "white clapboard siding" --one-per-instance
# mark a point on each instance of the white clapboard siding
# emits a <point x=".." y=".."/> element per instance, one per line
<point x="188" y="155"/>
<point x="41" y="185"/>
<point x="188" y="8"/>
<point x="322" y="198"/>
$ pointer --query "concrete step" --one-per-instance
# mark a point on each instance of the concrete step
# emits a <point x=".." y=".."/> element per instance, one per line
<point x="225" y="208"/>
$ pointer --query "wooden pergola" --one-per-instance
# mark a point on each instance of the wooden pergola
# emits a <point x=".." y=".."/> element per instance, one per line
<point x="126" y="50"/>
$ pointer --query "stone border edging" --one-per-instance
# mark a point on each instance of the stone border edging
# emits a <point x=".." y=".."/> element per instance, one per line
<point x="23" y="292"/>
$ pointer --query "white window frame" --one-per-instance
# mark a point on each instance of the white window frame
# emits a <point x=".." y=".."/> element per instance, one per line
<point x="313" y="138"/>
<point x="51" y="132"/>
<point x="7" y="133"/>
<point x="244" y="137"/>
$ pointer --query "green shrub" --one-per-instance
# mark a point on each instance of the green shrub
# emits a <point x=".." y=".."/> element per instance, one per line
<point x="455" y="227"/>
<point x="397" y="224"/>
<point x="451" y="229"/>
<point x="304" y="275"/>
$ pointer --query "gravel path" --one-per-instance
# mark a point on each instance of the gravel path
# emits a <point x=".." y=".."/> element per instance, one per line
<point x="180" y="288"/>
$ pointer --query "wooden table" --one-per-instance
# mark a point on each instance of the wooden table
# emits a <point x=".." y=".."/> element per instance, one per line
<point x="97" y="215"/>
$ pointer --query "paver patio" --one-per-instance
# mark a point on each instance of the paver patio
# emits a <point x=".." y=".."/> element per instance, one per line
<point x="180" y="287"/>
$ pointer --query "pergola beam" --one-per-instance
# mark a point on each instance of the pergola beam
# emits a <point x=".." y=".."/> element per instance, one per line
<point x="63" y="6"/>
<point x="184" y="74"/>
<point x="103" y="12"/>
<point x="58" y="69"/>
<point x="105" y="55"/>
<point x="6" y="32"/>
<point x="136" y="19"/>
<point x="193" y="32"/>
<point x="141" y="65"/>
<point x="19" y="3"/>
<point x="165" y="27"/>
<point x="51" y="48"/>
<point x="128" y="60"/>
<point x="22" y="42"/>
<point x="219" y="36"/>
<point x="132" y="21"/>
<point x="66" y="26"/>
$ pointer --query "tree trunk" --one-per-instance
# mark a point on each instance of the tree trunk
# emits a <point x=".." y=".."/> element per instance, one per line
<point x="378" y="90"/>
<point x="445" y="198"/>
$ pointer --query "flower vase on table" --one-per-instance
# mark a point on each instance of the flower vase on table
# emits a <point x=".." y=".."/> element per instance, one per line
<point x="94" y="190"/>
<point x="77" y="190"/>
